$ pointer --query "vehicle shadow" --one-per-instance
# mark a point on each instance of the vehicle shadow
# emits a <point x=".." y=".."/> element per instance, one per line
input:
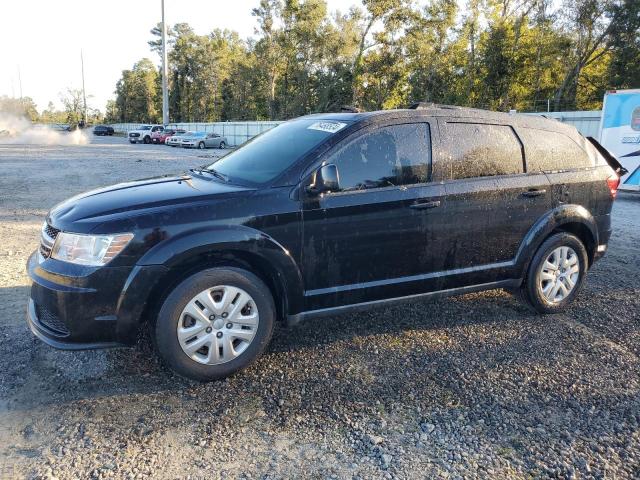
<point x="478" y="308"/>
<point x="35" y="375"/>
<point x="85" y="374"/>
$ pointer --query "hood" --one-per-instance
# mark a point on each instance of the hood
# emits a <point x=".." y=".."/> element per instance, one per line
<point x="126" y="201"/>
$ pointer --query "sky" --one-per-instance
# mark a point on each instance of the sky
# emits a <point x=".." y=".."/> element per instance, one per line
<point x="41" y="40"/>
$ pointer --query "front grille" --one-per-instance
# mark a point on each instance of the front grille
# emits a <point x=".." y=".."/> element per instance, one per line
<point x="51" y="231"/>
<point x="51" y="321"/>
<point x="134" y="134"/>
<point x="47" y="239"/>
<point x="45" y="251"/>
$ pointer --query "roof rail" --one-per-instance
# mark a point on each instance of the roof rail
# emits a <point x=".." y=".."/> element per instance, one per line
<point x="350" y="109"/>
<point x="426" y="105"/>
<point x="422" y="105"/>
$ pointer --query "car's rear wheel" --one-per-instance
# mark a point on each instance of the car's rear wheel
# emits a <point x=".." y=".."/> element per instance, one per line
<point x="556" y="274"/>
<point x="223" y="145"/>
<point x="215" y="323"/>
<point x="201" y="145"/>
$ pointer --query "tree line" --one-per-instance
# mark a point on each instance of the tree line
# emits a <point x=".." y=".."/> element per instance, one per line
<point x="496" y="54"/>
<point x="72" y="112"/>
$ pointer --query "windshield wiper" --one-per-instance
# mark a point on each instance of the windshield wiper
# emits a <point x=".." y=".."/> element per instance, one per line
<point x="219" y="175"/>
<point x="213" y="172"/>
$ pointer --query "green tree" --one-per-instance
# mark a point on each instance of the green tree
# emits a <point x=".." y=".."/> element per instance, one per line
<point x="19" y="107"/>
<point x="497" y="54"/>
<point x="137" y="93"/>
<point x="623" y="68"/>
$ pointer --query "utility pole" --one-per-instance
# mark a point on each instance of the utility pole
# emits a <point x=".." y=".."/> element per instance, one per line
<point x="84" y="94"/>
<point x="165" y="71"/>
<point x="20" y="81"/>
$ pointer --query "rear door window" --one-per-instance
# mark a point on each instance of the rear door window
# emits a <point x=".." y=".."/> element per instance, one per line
<point x="552" y="151"/>
<point x="385" y="157"/>
<point x="478" y="150"/>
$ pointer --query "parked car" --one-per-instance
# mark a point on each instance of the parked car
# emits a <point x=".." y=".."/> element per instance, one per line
<point x="103" y="130"/>
<point x="321" y="215"/>
<point x="143" y="133"/>
<point x="204" y="140"/>
<point x="176" y="140"/>
<point x="160" y="137"/>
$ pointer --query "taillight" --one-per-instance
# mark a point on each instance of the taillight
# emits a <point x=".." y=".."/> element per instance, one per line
<point x="612" y="184"/>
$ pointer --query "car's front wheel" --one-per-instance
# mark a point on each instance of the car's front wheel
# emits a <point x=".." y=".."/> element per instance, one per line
<point x="201" y="145"/>
<point x="215" y="323"/>
<point x="147" y="140"/>
<point x="556" y="273"/>
<point x="223" y="145"/>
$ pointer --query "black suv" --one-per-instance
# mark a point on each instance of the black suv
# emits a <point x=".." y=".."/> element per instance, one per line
<point x="103" y="130"/>
<point x="324" y="214"/>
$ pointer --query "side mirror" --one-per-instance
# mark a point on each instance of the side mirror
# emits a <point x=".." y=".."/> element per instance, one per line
<point x="325" y="179"/>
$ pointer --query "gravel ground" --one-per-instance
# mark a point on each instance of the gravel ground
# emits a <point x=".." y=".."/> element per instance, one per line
<point x="473" y="386"/>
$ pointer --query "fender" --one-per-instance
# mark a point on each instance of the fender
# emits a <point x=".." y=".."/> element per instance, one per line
<point x="556" y="218"/>
<point x="238" y="239"/>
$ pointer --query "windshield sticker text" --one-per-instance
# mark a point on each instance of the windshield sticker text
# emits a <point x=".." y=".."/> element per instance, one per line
<point x="329" y="127"/>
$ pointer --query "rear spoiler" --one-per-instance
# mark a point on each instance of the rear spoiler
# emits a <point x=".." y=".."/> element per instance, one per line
<point x="611" y="160"/>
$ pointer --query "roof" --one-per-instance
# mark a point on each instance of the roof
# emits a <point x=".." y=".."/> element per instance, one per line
<point x="461" y="113"/>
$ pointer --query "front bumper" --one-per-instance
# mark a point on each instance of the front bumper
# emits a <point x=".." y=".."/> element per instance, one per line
<point x="189" y="144"/>
<point x="74" y="307"/>
<point x="39" y="330"/>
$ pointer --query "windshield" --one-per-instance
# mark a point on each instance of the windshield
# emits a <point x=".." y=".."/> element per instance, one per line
<point x="145" y="127"/>
<point x="264" y="157"/>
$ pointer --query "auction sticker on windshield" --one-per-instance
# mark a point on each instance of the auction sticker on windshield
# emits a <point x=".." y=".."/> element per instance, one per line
<point x="329" y="127"/>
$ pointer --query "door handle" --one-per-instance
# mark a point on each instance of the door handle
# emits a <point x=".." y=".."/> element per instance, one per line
<point x="534" y="193"/>
<point x="425" y="205"/>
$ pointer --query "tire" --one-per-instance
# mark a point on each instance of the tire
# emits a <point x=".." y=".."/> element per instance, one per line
<point x="147" y="140"/>
<point x="201" y="146"/>
<point x="204" y="364"/>
<point x="540" y="278"/>
<point x="223" y="145"/>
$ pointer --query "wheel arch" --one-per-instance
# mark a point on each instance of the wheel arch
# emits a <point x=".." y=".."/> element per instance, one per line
<point x="240" y="247"/>
<point x="574" y="219"/>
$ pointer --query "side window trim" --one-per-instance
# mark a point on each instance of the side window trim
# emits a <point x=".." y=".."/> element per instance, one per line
<point x="442" y="128"/>
<point x="431" y="126"/>
<point x="521" y="130"/>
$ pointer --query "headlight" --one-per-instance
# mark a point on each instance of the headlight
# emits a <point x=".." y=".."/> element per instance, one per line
<point x="93" y="250"/>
